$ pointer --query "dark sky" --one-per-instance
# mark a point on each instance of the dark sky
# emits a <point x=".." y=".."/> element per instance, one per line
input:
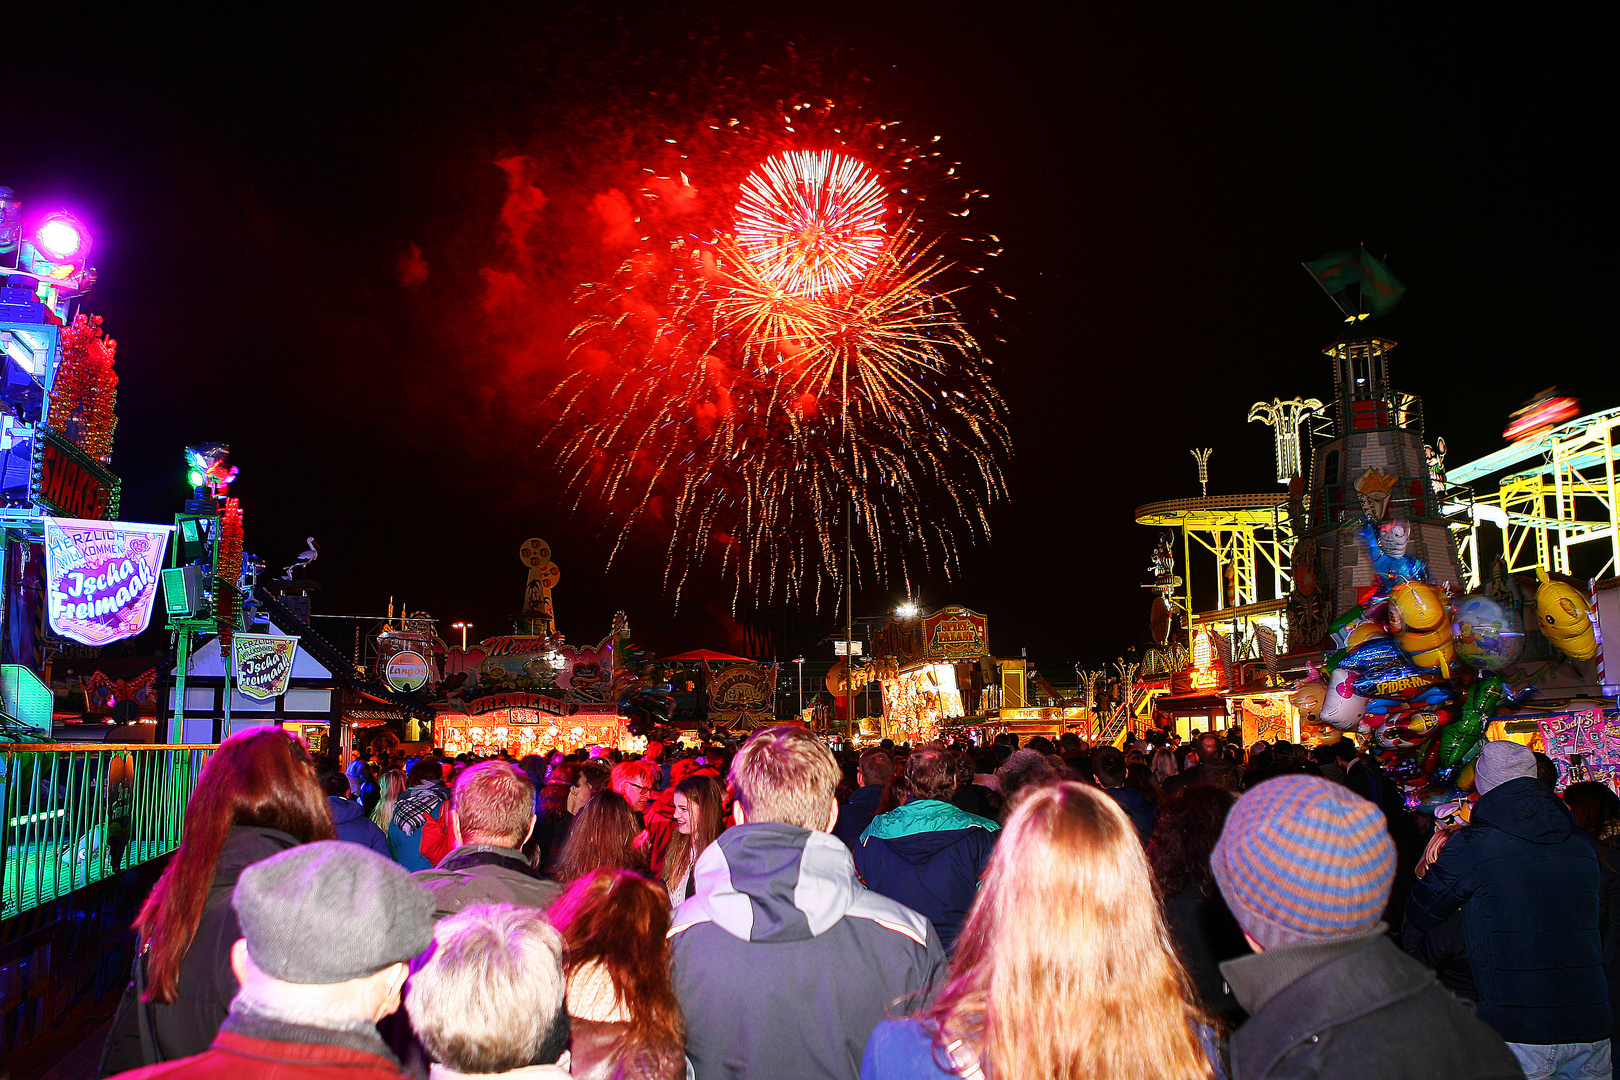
<point x="1157" y="176"/>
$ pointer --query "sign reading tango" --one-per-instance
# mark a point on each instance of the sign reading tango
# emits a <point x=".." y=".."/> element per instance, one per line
<point x="101" y="577"/>
<point x="261" y="664"/>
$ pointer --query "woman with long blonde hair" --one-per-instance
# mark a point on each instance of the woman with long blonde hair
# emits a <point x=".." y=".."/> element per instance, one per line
<point x="1064" y="969"/>
<point x="393" y="783"/>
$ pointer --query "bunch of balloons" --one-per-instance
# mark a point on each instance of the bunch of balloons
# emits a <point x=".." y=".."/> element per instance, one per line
<point x="1418" y="676"/>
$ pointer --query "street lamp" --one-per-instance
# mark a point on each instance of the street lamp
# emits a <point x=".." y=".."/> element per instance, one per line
<point x="463" y="627"/>
<point x="800" y="662"/>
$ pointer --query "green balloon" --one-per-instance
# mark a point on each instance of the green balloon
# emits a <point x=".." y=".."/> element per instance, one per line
<point x="1459" y="736"/>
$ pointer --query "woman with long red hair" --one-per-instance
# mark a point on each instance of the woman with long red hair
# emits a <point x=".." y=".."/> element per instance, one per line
<point x="256" y="796"/>
<point x="1064" y="969"/>
<point x="624" y="1020"/>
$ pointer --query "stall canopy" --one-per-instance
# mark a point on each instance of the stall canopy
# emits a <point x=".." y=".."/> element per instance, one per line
<point x="708" y="656"/>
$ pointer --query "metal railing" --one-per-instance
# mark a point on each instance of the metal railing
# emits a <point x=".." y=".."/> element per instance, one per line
<point x="72" y="815"/>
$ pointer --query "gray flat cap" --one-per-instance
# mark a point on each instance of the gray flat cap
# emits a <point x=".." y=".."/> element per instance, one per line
<point x="329" y="912"/>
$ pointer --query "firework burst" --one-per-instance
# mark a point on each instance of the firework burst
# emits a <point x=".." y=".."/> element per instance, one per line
<point x="781" y="337"/>
<point x="811" y="222"/>
<point x="771" y="411"/>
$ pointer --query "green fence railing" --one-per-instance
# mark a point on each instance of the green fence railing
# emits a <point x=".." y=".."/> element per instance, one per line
<point x="73" y="814"/>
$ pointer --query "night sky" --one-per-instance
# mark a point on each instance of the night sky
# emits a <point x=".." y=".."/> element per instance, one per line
<point x="1157" y="177"/>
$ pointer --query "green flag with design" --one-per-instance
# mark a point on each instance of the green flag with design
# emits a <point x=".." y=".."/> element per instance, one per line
<point x="1377" y="290"/>
<point x="1380" y="289"/>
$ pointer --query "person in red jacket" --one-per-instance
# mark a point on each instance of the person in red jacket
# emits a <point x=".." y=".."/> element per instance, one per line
<point x="309" y="1008"/>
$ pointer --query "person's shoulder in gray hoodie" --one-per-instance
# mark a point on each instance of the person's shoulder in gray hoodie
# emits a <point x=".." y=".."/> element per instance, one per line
<point x="784" y="962"/>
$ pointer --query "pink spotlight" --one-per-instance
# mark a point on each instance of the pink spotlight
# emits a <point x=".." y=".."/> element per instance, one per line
<point x="61" y="237"/>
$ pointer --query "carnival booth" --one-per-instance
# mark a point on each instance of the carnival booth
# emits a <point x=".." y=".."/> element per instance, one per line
<point x="530" y="691"/>
<point x="730" y="692"/>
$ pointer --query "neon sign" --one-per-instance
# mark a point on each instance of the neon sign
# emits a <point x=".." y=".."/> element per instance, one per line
<point x="1206" y="668"/>
<point x="101" y="577"/>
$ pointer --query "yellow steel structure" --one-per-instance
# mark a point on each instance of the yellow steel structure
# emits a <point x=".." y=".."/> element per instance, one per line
<point x="1249" y="536"/>
<point x="1567" y="500"/>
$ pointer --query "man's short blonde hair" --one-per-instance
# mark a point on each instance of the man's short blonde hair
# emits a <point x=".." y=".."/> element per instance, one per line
<point x="489" y="997"/>
<point x="784" y="773"/>
<point x="494" y="802"/>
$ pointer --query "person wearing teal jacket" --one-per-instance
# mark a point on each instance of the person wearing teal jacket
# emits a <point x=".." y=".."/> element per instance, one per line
<point x="926" y="853"/>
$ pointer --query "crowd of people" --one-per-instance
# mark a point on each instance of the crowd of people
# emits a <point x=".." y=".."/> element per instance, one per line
<point x="776" y="910"/>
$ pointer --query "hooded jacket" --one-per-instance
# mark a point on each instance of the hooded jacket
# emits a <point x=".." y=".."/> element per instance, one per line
<point x="929" y="855"/>
<point x="1526" y="880"/>
<point x="784" y="963"/>
<point x="353" y="826"/>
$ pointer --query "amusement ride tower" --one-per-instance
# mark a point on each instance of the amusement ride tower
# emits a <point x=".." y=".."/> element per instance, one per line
<point x="1372" y="466"/>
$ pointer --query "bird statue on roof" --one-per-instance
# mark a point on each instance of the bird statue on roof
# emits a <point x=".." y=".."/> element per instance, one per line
<point x="305" y="557"/>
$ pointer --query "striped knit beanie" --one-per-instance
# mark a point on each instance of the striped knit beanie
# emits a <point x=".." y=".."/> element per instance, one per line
<point x="1304" y="859"/>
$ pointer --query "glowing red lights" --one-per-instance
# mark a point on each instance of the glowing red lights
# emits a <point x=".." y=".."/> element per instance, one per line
<point x="1545" y="412"/>
<point x="811" y="222"/>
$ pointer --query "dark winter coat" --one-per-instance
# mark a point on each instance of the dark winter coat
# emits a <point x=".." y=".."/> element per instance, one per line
<point x="1609" y="918"/>
<point x="855" y="815"/>
<point x="975" y="799"/>
<point x="353" y="826"/>
<point x="1205" y="933"/>
<point x="784" y="963"/>
<point x="1138" y="809"/>
<point x="1356" y="1008"/>
<point x="1444" y="949"/>
<point x="206" y="983"/>
<point x="484" y="874"/>
<point x="929" y="856"/>
<point x="1526" y="880"/>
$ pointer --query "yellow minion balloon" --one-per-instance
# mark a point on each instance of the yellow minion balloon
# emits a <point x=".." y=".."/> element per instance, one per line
<point x="1566" y="618"/>
<point x="1420" y="615"/>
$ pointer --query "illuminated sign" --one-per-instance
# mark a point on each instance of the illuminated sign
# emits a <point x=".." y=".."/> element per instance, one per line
<point x="741" y="691"/>
<point x="955" y="633"/>
<point x="406" y="671"/>
<point x="742" y="688"/>
<point x="541" y="702"/>
<point x="261" y="664"/>
<point x="1206" y="666"/>
<point x="70" y="483"/>
<point x="101" y="577"/>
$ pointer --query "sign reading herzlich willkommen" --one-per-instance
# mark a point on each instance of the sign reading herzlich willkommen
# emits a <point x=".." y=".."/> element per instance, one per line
<point x="261" y="664"/>
<point x="101" y="577"/>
